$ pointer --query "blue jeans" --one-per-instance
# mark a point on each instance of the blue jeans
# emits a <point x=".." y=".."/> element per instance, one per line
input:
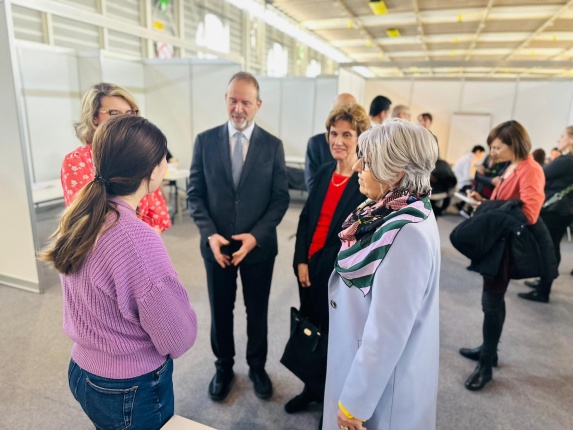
<point x="142" y="403"/>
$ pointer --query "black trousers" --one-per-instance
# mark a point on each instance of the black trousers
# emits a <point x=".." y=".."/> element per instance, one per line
<point x="222" y="285"/>
<point x="557" y="226"/>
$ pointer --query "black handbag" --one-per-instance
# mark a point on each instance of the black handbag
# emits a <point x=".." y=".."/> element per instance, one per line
<point x="305" y="352"/>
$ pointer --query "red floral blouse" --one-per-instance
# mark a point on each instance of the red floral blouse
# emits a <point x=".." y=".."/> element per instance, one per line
<point x="78" y="170"/>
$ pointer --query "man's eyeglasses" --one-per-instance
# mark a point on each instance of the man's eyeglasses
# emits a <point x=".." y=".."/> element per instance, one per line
<point x="115" y="112"/>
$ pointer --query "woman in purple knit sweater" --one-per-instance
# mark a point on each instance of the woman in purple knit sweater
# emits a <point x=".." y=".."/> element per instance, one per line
<point x="124" y="306"/>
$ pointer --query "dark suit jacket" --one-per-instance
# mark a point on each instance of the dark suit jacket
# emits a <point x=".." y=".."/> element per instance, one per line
<point x="317" y="154"/>
<point x="350" y="200"/>
<point x="258" y="204"/>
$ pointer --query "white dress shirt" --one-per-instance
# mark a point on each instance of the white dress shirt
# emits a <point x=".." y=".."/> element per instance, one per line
<point x="247" y="133"/>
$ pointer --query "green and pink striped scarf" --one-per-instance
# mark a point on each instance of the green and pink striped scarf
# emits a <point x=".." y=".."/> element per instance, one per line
<point x="368" y="234"/>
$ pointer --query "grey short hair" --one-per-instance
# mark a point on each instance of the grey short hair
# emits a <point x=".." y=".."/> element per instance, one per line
<point x="400" y="146"/>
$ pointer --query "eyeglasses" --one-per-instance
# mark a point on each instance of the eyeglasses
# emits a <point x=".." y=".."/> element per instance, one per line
<point x="115" y="112"/>
<point x="363" y="163"/>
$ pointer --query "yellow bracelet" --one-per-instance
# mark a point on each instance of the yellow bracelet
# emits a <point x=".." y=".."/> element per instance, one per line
<point x="348" y="415"/>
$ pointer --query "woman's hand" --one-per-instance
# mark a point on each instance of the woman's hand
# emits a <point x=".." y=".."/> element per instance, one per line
<point x="476" y="197"/>
<point x="348" y="423"/>
<point x="303" y="277"/>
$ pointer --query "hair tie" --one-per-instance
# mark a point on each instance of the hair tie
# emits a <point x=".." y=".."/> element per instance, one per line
<point x="98" y="179"/>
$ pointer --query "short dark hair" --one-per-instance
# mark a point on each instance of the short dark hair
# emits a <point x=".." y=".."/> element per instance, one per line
<point x="539" y="156"/>
<point x="379" y="104"/>
<point x="248" y="77"/>
<point x="427" y="115"/>
<point x="513" y="134"/>
<point x="478" y="148"/>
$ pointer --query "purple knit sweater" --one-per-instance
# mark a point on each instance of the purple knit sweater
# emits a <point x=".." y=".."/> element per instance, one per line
<point x="125" y="309"/>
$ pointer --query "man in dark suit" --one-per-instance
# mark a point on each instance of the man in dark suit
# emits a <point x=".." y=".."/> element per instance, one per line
<point x="318" y="149"/>
<point x="238" y="194"/>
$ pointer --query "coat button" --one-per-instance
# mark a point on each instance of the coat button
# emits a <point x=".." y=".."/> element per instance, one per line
<point x="333" y="304"/>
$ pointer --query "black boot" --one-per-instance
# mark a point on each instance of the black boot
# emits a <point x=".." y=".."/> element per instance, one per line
<point x="300" y="402"/>
<point x="541" y="292"/>
<point x="531" y="284"/>
<point x="481" y="375"/>
<point x="474" y="354"/>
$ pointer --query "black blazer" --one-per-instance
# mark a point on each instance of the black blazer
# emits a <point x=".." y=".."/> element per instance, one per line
<point x="350" y="200"/>
<point x="317" y="155"/>
<point x="258" y="204"/>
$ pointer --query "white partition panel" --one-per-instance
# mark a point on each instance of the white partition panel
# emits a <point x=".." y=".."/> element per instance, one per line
<point x="51" y="96"/>
<point x="326" y="91"/>
<point x="269" y="116"/>
<point x="297" y="114"/>
<point x="89" y="69"/>
<point x="350" y="82"/>
<point x="168" y="105"/>
<point x="128" y="74"/>
<point x="543" y="109"/>
<point x="494" y="98"/>
<point x="18" y="266"/>
<point x="441" y="99"/>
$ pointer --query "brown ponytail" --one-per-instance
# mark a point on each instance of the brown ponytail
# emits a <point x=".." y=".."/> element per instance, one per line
<point x="126" y="149"/>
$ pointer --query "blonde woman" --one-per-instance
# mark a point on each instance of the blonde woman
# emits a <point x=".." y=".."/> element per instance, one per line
<point x="100" y="103"/>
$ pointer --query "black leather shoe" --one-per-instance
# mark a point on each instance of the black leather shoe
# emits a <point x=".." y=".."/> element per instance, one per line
<point x="474" y="353"/>
<point x="261" y="383"/>
<point x="221" y="384"/>
<point x="300" y="402"/>
<point x="481" y="375"/>
<point x="535" y="296"/>
<point x="532" y="284"/>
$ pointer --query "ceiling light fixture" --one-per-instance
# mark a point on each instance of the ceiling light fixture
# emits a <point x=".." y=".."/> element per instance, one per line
<point x="393" y="33"/>
<point x="378" y="7"/>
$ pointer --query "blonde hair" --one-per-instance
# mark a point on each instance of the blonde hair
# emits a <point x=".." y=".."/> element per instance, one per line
<point x="91" y="103"/>
<point x="398" y="146"/>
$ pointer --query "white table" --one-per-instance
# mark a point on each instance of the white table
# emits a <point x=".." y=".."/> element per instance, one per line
<point x="47" y="192"/>
<point x="171" y="178"/>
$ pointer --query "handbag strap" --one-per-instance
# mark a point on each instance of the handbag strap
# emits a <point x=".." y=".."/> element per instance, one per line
<point x="558" y="196"/>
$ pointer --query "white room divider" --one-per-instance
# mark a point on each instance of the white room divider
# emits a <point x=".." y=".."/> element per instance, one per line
<point x="18" y="266"/>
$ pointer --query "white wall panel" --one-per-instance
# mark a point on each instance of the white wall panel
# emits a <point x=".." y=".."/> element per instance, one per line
<point x="168" y="105"/>
<point x="128" y="74"/>
<point x="51" y="95"/>
<point x="269" y="116"/>
<point x="297" y="114"/>
<point x="494" y="98"/>
<point x="543" y="109"/>
<point x="326" y="91"/>
<point x="349" y="82"/>
<point x="441" y="99"/>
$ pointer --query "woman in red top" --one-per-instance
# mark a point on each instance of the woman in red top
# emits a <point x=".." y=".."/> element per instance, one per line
<point x="523" y="180"/>
<point x="101" y="102"/>
<point x="334" y="195"/>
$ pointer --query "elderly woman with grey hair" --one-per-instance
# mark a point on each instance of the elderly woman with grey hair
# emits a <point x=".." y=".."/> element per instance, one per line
<point x="384" y="317"/>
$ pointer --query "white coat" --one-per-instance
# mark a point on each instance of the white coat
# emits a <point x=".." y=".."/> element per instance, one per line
<point x="383" y="348"/>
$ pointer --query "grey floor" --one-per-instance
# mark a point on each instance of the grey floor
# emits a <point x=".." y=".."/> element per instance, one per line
<point x="532" y="387"/>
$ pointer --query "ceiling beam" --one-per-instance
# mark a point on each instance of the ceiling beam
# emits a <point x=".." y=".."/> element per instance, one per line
<point x="511" y="64"/>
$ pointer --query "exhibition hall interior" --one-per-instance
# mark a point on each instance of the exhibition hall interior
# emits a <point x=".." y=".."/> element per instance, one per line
<point x="472" y="66"/>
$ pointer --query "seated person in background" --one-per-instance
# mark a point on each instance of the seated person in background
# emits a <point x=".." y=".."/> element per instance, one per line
<point x="539" y="156"/>
<point x="555" y="152"/>
<point x="442" y="180"/>
<point x="100" y="103"/>
<point x="465" y="167"/>
<point x="124" y="307"/>
<point x="317" y="149"/>
<point x="379" y="110"/>
<point x="488" y="175"/>
<point x="402" y="112"/>
<point x="335" y="194"/>
<point x="171" y="159"/>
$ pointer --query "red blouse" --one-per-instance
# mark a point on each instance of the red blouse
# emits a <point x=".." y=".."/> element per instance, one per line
<point x="331" y="199"/>
<point x="78" y="170"/>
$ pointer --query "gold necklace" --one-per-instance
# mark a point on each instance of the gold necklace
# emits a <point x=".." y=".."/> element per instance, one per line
<point x="340" y="184"/>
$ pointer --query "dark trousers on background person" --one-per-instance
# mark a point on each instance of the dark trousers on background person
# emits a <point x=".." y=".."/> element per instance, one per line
<point x="493" y="306"/>
<point x="557" y="226"/>
<point x="222" y="285"/>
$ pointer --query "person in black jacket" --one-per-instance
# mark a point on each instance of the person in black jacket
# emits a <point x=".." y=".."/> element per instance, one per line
<point x="334" y="196"/>
<point x="559" y="215"/>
